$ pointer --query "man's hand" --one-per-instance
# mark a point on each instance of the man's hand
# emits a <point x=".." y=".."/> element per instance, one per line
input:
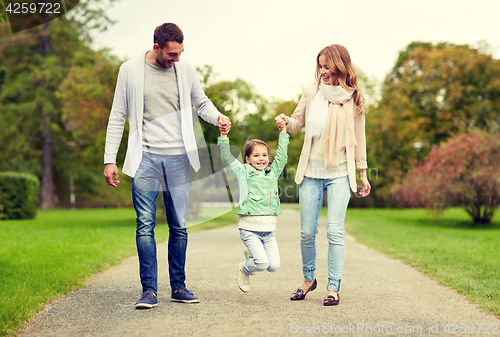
<point x="110" y="172"/>
<point x="224" y="124"/>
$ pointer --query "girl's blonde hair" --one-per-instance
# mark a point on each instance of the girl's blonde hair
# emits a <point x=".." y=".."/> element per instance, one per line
<point x="339" y="61"/>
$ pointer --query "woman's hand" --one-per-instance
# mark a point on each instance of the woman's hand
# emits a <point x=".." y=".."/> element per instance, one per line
<point x="365" y="191"/>
<point x="281" y="121"/>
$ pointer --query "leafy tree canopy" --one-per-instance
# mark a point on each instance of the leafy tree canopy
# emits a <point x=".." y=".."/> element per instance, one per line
<point x="56" y="98"/>
<point x="434" y="91"/>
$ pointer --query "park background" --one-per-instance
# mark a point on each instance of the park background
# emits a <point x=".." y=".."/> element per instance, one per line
<point x="430" y="72"/>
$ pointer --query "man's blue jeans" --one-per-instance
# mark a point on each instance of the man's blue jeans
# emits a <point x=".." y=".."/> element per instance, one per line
<point x="169" y="174"/>
<point x="311" y="192"/>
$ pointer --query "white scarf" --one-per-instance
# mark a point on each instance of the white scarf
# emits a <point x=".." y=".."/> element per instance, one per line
<point x="319" y="106"/>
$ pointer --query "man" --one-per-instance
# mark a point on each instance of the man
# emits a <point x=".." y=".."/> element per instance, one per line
<point x="157" y="90"/>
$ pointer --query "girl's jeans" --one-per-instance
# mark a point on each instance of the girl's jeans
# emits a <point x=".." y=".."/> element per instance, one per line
<point x="263" y="251"/>
<point x="311" y="192"/>
<point x="169" y="174"/>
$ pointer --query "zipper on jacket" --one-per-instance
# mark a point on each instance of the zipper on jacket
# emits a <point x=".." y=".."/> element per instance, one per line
<point x="270" y="196"/>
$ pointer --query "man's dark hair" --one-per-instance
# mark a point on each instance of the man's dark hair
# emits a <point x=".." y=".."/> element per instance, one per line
<point x="167" y="32"/>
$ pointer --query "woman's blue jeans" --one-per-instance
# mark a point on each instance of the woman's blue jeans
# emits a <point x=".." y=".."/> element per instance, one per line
<point x="311" y="192"/>
<point x="169" y="174"/>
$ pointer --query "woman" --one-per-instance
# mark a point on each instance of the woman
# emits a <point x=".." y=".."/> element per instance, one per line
<point x="334" y="146"/>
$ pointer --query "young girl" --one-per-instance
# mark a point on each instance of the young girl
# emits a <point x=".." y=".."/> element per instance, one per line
<point x="334" y="146"/>
<point x="259" y="203"/>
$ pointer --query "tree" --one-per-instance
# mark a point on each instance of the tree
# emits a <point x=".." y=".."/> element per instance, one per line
<point x="249" y="112"/>
<point x="433" y="92"/>
<point x="463" y="171"/>
<point x="37" y="62"/>
<point x="3" y="73"/>
<point x="86" y="96"/>
<point x="2" y="15"/>
<point x="29" y="106"/>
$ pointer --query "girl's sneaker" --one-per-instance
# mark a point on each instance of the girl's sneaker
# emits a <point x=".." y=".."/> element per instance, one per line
<point x="243" y="279"/>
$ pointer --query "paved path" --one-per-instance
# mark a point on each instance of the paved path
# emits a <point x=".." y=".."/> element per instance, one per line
<point x="378" y="295"/>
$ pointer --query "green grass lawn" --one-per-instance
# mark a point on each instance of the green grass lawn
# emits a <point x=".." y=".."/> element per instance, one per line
<point x="53" y="254"/>
<point x="449" y="249"/>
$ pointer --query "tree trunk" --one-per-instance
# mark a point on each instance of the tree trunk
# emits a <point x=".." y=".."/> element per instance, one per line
<point x="47" y="197"/>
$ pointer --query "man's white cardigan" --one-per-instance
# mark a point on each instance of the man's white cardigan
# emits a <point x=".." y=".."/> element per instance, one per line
<point x="129" y="97"/>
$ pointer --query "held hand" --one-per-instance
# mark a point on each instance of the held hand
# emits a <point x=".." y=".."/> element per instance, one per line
<point x="281" y="121"/>
<point x="110" y="172"/>
<point x="223" y="135"/>
<point x="224" y="124"/>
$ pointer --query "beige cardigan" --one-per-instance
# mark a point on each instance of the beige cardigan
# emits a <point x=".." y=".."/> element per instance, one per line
<point x="356" y="154"/>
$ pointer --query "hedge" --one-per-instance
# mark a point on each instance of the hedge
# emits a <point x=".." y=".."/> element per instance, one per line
<point x="18" y="195"/>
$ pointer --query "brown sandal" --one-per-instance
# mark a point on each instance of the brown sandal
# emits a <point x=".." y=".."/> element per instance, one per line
<point x="299" y="294"/>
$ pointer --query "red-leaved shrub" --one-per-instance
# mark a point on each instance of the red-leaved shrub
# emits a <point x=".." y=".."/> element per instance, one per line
<point x="464" y="171"/>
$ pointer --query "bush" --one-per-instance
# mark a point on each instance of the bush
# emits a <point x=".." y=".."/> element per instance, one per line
<point x="18" y="195"/>
<point x="464" y="172"/>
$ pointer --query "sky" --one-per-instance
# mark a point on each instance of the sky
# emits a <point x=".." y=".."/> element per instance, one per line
<point x="273" y="44"/>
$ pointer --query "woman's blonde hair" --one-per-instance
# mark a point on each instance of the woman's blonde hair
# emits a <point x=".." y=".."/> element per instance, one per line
<point x="339" y="61"/>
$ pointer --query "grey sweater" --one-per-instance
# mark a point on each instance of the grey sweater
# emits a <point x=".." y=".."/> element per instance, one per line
<point x="161" y="129"/>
